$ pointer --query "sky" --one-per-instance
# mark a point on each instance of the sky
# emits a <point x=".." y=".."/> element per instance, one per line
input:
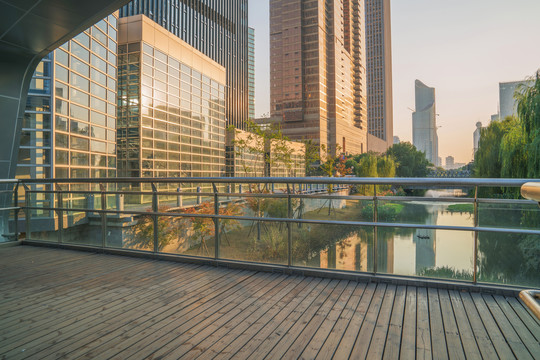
<point x="462" y="48"/>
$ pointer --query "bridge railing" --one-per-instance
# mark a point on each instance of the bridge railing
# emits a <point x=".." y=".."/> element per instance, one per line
<point x="397" y="228"/>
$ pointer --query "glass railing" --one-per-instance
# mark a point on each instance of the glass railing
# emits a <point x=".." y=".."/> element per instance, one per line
<point x="464" y="230"/>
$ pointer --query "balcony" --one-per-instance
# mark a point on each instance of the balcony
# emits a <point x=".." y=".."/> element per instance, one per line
<point x="268" y="267"/>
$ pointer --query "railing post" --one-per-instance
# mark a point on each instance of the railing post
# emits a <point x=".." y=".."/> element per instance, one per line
<point x="289" y="227"/>
<point x="259" y="213"/>
<point x="28" y="211"/>
<point x="228" y="192"/>
<point x="475" y="256"/>
<point x="198" y="196"/>
<point x="179" y="202"/>
<point x="16" y="214"/>
<point x="155" y="208"/>
<point x="239" y="188"/>
<point x="375" y="230"/>
<point x="216" y="221"/>
<point x="60" y="213"/>
<point x="103" y="194"/>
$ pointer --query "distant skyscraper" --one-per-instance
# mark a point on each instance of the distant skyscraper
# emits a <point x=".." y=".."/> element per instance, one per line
<point x="397" y="140"/>
<point x="507" y="102"/>
<point x="425" y="122"/>
<point x="379" y="74"/>
<point x="251" y="72"/>
<point x="317" y="71"/>
<point x="476" y="136"/>
<point x="449" y="162"/>
<point x="218" y="29"/>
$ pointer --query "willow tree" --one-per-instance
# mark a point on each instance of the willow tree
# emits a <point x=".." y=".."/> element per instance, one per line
<point x="528" y="110"/>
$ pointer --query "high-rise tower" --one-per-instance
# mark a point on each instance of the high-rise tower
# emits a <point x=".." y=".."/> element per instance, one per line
<point x="379" y="75"/>
<point x="251" y="73"/>
<point x="318" y="72"/>
<point x="218" y="29"/>
<point x="425" y="123"/>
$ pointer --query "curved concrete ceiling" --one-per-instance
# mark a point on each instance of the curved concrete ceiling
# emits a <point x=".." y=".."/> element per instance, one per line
<point x="39" y="26"/>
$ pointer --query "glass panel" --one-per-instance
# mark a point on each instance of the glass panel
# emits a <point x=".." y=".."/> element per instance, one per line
<point x="510" y="259"/>
<point x="80" y="52"/>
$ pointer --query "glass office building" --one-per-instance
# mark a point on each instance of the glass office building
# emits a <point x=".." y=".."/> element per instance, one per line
<point x="251" y="73"/>
<point x="218" y="29"/>
<point x="171" y="118"/>
<point x="69" y="127"/>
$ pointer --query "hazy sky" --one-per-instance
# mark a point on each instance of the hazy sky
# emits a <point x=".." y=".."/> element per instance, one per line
<point x="463" y="48"/>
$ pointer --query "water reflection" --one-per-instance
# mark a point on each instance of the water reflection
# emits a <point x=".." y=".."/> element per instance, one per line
<point x="407" y="251"/>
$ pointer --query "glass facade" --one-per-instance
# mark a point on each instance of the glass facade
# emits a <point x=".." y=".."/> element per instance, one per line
<point x="379" y="70"/>
<point x="251" y="72"/>
<point x="317" y="72"/>
<point x="171" y="117"/>
<point x="69" y="127"/>
<point x="218" y="29"/>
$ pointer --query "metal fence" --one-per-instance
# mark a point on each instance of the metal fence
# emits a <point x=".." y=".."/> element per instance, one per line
<point x="102" y="198"/>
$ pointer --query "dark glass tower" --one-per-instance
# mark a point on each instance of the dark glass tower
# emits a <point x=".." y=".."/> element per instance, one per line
<point x="218" y="29"/>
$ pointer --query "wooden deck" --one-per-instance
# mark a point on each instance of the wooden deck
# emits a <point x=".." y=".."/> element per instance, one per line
<point x="66" y="304"/>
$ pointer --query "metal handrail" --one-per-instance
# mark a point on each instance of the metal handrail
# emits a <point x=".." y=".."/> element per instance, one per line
<point x="218" y="197"/>
<point x="425" y="182"/>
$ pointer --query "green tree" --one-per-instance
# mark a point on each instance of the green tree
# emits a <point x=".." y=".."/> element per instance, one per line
<point x="409" y="162"/>
<point x="528" y="109"/>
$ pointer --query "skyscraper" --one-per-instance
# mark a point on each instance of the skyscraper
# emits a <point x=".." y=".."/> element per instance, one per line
<point x="218" y="29"/>
<point x="507" y="101"/>
<point x="317" y="72"/>
<point x="425" y="123"/>
<point x="171" y="113"/>
<point x="251" y="72"/>
<point x="379" y="75"/>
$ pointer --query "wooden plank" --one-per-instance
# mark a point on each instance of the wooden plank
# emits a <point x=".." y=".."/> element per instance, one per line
<point x="301" y="315"/>
<point x="510" y="335"/>
<point x="147" y="328"/>
<point x="466" y="334"/>
<point x="199" y="334"/>
<point x="380" y="333"/>
<point x="453" y="340"/>
<point x="63" y="311"/>
<point x="497" y="339"/>
<point x="361" y="345"/>
<point x="395" y="330"/>
<point x="438" y="339"/>
<point x="294" y="342"/>
<point x="408" y="339"/>
<point x="68" y="301"/>
<point x="526" y="316"/>
<point x="311" y="348"/>
<point x="483" y="340"/>
<point x="334" y="338"/>
<point x="423" y="329"/>
<point x="229" y="344"/>
<point x="83" y="325"/>
<point x="527" y="338"/>
<point x="279" y="323"/>
<point x="348" y="340"/>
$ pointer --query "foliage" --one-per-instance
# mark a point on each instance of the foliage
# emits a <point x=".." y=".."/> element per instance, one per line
<point x="255" y="143"/>
<point x="461" y="208"/>
<point x="180" y="231"/>
<point x="385" y="213"/>
<point x="446" y="272"/>
<point x="511" y="148"/>
<point x="408" y="160"/>
<point x="141" y="236"/>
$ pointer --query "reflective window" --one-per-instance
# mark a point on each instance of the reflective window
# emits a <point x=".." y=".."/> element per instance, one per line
<point x="80" y="52"/>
